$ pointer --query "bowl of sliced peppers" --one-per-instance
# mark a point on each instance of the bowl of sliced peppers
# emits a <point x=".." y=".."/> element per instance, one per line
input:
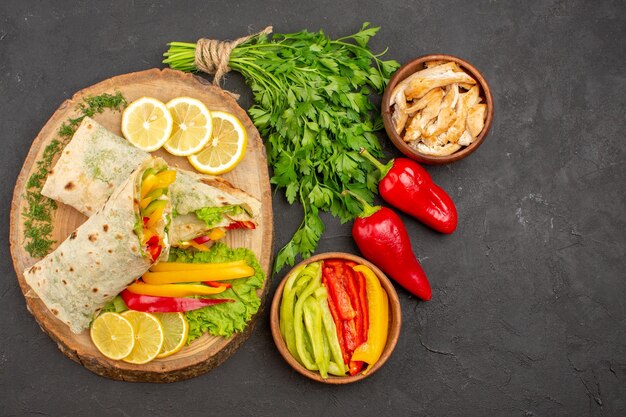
<point x="335" y="318"/>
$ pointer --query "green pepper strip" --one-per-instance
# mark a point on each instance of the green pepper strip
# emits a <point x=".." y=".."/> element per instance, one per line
<point x="303" y="281"/>
<point x="335" y="369"/>
<point x="309" y="348"/>
<point x="286" y="313"/>
<point x="331" y="331"/>
<point x="325" y="344"/>
<point x="298" y="323"/>
<point x="313" y="324"/>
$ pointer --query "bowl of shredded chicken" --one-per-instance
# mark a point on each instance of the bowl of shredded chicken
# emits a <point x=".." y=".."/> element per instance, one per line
<point x="437" y="109"/>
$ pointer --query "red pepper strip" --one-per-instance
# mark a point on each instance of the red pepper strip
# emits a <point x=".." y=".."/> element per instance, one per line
<point x="363" y="301"/>
<point x="155" y="252"/>
<point x="339" y="294"/>
<point x="354" y="287"/>
<point x="202" y="239"/>
<point x="334" y="263"/>
<point x="152" y="304"/>
<point x="407" y="186"/>
<point x="332" y="305"/>
<point x="242" y="225"/>
<point x="349" y="337"/>
<point x="355" y="367"/>
<point x="153" y="247"/>
<point x="146" y="220"/>
<point x="350" y="283"/>
<point x="216" y="284"/>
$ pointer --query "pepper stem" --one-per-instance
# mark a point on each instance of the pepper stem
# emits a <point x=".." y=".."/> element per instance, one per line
<point x="368" y="210"/>
<point x="384" y="169"/>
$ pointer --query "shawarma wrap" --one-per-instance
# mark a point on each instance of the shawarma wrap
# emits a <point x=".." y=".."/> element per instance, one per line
<point x="103" y="256"/>
<point x="92" y="165"/>
<point x="96" y="161"/>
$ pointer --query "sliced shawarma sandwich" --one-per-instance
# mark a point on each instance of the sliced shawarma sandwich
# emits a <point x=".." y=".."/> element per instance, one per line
<point x="96" y="161"/>
<point x="114" y="247"/>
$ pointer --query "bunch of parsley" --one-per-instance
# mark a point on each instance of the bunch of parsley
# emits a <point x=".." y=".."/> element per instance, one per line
<point x="312" y="107"/>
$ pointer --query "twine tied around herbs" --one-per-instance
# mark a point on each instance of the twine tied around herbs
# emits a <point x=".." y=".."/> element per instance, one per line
<point x="212" y="55"/>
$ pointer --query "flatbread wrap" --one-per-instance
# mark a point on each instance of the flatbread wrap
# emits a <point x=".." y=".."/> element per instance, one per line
<point x="96" y="161"/>
<point x="115" y="246"/>
<point x="92" y="165"/>
<point x="203" y="202"/>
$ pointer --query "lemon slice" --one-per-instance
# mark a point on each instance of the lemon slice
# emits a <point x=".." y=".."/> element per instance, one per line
<point x="226" y="147"/>
<point x="148" y="336"/>
<point x="192" y="126"/>
<point x="147" y="124"/>
<point x="175" y="329"/>
<point x="113" y="335"/>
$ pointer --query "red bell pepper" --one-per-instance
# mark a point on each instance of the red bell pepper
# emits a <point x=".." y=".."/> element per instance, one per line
<point x="382" y="238"/>
<point x="153" y="304"/>
<point x="407" y="186"/>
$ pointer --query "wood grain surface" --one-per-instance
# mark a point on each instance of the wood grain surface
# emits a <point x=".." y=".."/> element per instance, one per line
<point x="251" y="175"/>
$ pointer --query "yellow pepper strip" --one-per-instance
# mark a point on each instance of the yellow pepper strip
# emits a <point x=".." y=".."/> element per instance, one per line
<point x="145" y="202"/>
<point x="223" y="274"/>
<point x="378" y="307"/>
<point x="217" y="233"/>
<point x="147" y="234"/>
<point x="165" y="178"/>
<point x="199" y="246"/>
<point x="173" y="290"/>
<point x="161" y="180"/>
<point x="184" y="266"/>
<point x="147" y="184"/>
<point x="155" y="216"/>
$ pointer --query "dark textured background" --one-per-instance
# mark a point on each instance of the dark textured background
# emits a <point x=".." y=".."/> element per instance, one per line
<point x="528" y="312"/>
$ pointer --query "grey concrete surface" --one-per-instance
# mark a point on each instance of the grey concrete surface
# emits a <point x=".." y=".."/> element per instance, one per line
<point x="528" y="316"/>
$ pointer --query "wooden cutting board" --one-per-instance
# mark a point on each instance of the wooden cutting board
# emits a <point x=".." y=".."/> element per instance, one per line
<point x="251" y="175"/>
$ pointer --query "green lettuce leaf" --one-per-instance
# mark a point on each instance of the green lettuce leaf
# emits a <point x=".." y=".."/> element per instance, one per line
<point x="116" y="305"/>
<point x="214" y="215"/>
<point x="228" y="318"/>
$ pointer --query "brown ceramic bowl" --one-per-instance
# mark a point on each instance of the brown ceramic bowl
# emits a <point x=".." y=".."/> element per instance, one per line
<point x="395" y="321"/>
<point x="414" y="66"/>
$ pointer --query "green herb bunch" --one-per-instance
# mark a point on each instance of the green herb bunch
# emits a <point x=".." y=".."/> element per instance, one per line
<point x="312" y="107"/>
